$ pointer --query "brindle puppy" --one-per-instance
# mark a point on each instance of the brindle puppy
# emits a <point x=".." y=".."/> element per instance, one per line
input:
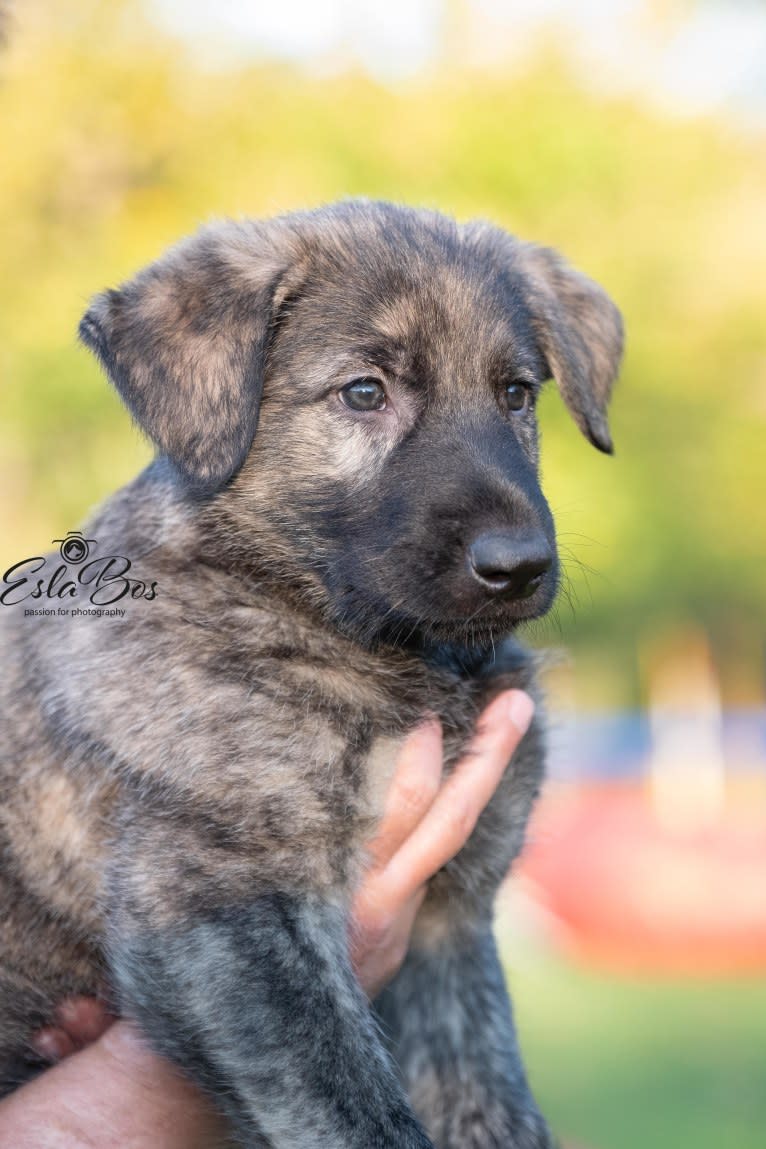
<point x="188" y="788"/>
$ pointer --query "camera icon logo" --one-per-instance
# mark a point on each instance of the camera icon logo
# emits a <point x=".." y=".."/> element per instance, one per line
<point x="74" y="548"/>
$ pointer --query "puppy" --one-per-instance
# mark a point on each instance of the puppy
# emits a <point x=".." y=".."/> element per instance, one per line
<point x="203" y="698"/>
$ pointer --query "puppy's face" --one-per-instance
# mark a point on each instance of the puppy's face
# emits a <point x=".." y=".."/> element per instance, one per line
<point x="393" y="361"/>
<point x="398" y="426"/>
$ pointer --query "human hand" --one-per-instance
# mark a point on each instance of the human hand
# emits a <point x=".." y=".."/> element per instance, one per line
<point x="116" y="1093"/>
<point x="111" y="1089"/>
<point x="425" y="823"/>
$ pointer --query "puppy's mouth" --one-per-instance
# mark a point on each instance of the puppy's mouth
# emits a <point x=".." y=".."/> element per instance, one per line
<point x="478" y="619"/>
<point x="483" y="624"/>
<point x="504" y="580"/>
<point x="470" y="588"/>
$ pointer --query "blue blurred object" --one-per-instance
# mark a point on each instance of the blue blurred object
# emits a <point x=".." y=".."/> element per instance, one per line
<point x="616" y="745"/>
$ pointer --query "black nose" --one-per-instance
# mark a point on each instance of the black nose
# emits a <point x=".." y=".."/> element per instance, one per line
<point x="509" y="564"/>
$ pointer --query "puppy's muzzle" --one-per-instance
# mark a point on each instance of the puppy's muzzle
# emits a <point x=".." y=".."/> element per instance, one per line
<point x="510" y="565"/>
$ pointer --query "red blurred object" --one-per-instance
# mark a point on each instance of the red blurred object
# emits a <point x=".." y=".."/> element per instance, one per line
<point x="630" y="892"/>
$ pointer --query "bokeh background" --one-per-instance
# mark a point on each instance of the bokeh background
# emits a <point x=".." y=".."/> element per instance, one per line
<point x="631" y="134"/>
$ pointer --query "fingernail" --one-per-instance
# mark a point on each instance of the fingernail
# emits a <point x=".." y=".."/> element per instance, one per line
<point x="52" y="1044"/>
<point x="520" y="710"/>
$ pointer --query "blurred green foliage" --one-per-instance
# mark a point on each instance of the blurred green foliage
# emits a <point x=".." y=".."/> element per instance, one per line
<point x="621" y="1063"/>
<point x="116" y="142"/>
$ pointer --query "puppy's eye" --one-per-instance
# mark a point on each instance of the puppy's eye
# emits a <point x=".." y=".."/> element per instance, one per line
<point x="516" y="397"/>
<point x="364" y="395"/>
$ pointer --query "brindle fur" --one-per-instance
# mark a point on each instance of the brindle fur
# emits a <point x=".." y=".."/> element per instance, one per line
<point x="187" y="790"/>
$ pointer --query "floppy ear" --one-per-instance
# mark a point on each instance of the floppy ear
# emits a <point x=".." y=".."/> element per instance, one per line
<point x="185" y="343"/>
<point x="579" y="331"/>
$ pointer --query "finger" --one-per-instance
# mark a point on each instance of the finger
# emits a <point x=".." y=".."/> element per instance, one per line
<point x="84" y="1019"/>
<point x="448" y="824"/>
<point x="413" y="789"/>
<point x="53" y="1044"/>
<point x="78" y="1022"/>
<point x="377" y="955"/>
<point x="115" y="1093"/>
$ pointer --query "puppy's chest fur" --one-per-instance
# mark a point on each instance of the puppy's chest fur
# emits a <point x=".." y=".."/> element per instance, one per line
<point x="233" y="745"/>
